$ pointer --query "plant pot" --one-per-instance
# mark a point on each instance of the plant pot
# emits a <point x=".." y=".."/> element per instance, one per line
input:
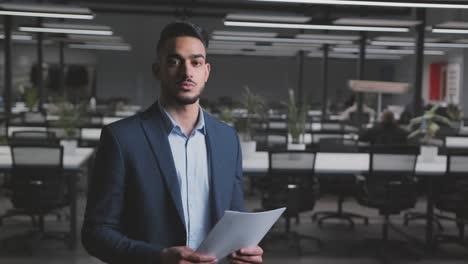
<point x="248" y="148"/>
<point x="69" y="146"/>
<point x="296" y="146"/>
<point x="429" y="153"/>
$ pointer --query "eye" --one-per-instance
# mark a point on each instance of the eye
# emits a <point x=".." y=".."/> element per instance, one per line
<point x="197" y="63"/>
<point x="173" y="62"/>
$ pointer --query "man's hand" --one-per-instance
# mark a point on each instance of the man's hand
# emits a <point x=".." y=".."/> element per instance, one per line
<point x="247" y="255"/>
<point x="184" y="255"/>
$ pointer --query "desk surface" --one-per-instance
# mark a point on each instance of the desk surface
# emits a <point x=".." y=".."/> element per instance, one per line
<point x="343" y="163"/>
<point x="70" y="161"/>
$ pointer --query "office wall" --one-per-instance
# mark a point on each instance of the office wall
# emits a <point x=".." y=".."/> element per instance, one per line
<point x="129" y="73"/>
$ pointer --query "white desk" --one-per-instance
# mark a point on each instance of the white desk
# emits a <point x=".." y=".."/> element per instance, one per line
<point x="343" y="163"/>
<point x="70" y="161"/>
<point x="90" y="134"/>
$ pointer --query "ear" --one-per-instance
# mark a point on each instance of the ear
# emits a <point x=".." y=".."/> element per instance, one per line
<point x="156" y="70"/>
<point x="207" y="70"/>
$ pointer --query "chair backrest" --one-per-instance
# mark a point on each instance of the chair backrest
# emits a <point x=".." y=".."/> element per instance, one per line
<point x="393" y="159"/>
<point x="316" y="137"/>
<point x="290" y="181"/>
<point x="338" y="145"/>
<point x="332" y="127"/>
<point x="33" y="137"/>
<point x="457" y="162"/>
<point x="292" y="161"/>
<point x="456" y="142"/>
<point x="37" y="176"/>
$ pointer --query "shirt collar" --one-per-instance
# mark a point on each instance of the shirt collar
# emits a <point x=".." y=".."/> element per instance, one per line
<point x="170" y="124"/>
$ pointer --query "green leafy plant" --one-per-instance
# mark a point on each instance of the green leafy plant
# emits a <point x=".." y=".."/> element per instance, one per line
<point x="454" y="112"/>
<point x="296" y="117"/>
<point x="69" y="118"/>
<point x="255" y="106"/>
<point x="426" y="125"/>
<point x="31" y="98"/>
<point x="226" y="116"/>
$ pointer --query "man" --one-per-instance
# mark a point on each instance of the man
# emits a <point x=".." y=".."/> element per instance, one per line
<point x="164" y="177"/>
<point x="387" y="132"/>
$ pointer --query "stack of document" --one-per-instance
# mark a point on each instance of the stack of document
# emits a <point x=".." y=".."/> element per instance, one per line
<point x="238" y="230"/>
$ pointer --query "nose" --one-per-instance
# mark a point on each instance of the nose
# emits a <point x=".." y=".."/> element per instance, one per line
<point x="186" y="70"/>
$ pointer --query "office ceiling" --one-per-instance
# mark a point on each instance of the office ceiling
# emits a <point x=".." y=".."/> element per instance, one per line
<point x="218" y="8"/>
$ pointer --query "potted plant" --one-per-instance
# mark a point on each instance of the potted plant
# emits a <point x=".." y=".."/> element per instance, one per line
<point x="31" y="99"/>
<point x="296" y="123"/>
<point x="427" y="126"/>
<point x="455" y="115"/>
<point x="254" y="108"/>
<point x="69" y="121"/>
<point x="226" y="116"/>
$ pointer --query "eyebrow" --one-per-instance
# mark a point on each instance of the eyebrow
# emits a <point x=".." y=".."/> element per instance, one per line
<point x="194" y="56"/>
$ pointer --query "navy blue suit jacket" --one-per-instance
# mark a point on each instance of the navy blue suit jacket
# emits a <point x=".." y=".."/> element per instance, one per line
<point x="134" y="207"/>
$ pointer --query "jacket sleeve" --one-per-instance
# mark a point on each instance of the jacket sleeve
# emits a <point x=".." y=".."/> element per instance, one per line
<point x="237" y="202"/>
<point x="101" y="234"/>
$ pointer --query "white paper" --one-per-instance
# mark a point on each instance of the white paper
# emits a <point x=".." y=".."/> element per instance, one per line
<point x="238" y="230"/>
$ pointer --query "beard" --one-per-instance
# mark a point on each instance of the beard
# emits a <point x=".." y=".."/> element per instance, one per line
<point x="186" y="100"/>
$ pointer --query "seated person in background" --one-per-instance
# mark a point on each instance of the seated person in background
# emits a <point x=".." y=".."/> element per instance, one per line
<point x="386" y="132"/>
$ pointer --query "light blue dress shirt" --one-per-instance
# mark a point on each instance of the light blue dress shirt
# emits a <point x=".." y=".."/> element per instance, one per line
<point x="191" y="162"/>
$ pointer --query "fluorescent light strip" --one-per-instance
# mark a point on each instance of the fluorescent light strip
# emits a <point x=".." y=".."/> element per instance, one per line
<point x="250" y="53"/>
<point x="450" y="30"/>
<point x="263" y="48"/>
<point x="50" y="15"/>
<point x="353" y="56"/>
<point x="100" y="47"/>
<point x="318" y="27"/>
<point x="392" y="43"/>
<point x="372" y="3"/>
<point x="281" y="40"/>
<point x="245" y="33"/>
<point x="327" y="36"/>
<point x="389" y="51"/>
<point x="270" y="18"/>
<point x="67" y="31"/>
<point x="446" y="45"/>
<point x="17" y="37"/>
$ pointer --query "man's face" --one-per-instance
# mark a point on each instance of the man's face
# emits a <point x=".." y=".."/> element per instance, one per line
<point x="182" y="70"/>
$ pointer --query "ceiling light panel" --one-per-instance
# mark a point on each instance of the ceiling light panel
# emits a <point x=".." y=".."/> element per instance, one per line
<point x="450" y="30"/>
<point x="45" y="10"/>
<point x="327" y="36"/>
<point x="245" y="33"/>
<point x="376" y="22"/>
<point x="277" y="40"/>
<point x="317" y="27"/>
<point x="269" y="18"/>
<point x="101" y="46"/>
<point x="64" y="28"/>
<point x="410" y="4"/>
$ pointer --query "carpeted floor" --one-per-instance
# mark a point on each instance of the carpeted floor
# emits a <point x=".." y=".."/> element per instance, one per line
<point x="341" y="245"/>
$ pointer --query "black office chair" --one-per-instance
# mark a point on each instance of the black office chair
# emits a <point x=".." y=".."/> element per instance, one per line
<point x="38" y="187"/>
<point x="390" y="186"/>
<point x="291" y="183"/>
<point x="33" y="137"/>
<point x="338" y="184"/>
<point x="452" y="196"/>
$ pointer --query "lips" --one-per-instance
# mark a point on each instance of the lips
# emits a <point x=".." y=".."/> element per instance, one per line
<point x="186" y="85"/>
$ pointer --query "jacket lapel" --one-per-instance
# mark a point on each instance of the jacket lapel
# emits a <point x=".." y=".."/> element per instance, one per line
<point x="156" y="135"/>
<point x="216" y="164"/>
